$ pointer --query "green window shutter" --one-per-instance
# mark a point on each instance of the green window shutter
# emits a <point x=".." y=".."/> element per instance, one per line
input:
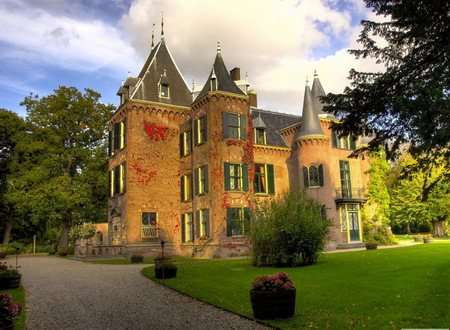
<point x="117" y="179"/>
<point x="206" y="220"/>
<point x="244" y="177"/>
<point x="270" y="179"/>
<point x="183" y="197"/>
<point x="196" y="180"/>
<point x="321" y="175"/>
<point x="110" y="143"/>
<point x="197" y="223"/>
<point x="117" y="136"/>
<point x="334" y="140"/>
<point x="229" y="222"/>
<point x="181" y="144"/>
<point x="352" y="143"/>
<point x="206" y="179"/>
<point x="246" y="220"/>
<point x="305" y="177"/>
<point x="225" y="121"/>
<point x="205" y="128"/>
<point x="110" y="183"/>
<point x="183" y="228"/>
<point x="227" y="175"/>
<point x="196" y="132"/>
<point x="124" y="133"/>
<point x="243" y="126"/>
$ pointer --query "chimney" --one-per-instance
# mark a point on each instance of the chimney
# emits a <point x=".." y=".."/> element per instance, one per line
<point x="253" y="99"/>
<point x="235" y="74"/>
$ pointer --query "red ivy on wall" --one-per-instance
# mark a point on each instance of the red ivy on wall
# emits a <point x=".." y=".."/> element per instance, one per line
<point x="155" y="132"/>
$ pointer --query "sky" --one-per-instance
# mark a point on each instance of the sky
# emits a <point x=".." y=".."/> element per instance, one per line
<point x="96" y="44"/>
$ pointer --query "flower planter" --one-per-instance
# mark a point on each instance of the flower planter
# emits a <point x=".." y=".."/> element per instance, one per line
<point x="270" y="305"/>
<point x="7" y="325"/>
<point x="418" y="239"/>
<point x="371" y="246"/>
<point x="3" y="255"/>
<point x="10" y="282"/>
<point x="168" y="273"/>
<point x="428" y="240"/>
<point x="137" y="259"/>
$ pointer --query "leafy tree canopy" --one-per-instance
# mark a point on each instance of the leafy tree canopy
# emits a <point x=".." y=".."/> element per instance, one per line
<point x="408" y="102"/>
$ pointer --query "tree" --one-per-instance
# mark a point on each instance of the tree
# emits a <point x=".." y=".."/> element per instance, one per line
<point x="289" y="230"/>
<point x="10" y="126"/>
<point x="408" y="102"/>
<point x="66" y="158"/>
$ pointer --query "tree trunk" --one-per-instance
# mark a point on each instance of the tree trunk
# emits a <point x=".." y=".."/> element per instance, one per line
<point x="438" y="228"/>
<point x="8" y="226"/>
<point x="64" y="238"/>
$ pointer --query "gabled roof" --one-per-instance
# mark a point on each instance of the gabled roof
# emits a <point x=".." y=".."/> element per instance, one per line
<point x="275" y="122"/>
<point x="160" y="64"/>
<point x="310" y="120"/>
<point x="224" y="81"/>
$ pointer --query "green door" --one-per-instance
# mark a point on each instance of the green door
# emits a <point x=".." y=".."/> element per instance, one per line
<point x="353" y="221"/>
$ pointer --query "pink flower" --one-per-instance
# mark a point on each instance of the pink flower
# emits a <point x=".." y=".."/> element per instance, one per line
<point x="14" y="309"/>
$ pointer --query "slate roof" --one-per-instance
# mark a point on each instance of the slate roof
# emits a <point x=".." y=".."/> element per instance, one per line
<point x="317" y="91"/>
<point x="310" y="119"/>
<point x="274" y="122"/>
<point x="160" y="64"/>
<point x="224" y="81"/>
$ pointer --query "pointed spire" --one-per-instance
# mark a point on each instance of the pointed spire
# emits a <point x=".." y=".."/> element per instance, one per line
<point x="310" y="120"/>
<point x="153" y="35"/>
<point x="162" y="25"/>
<point x="317" y="91"/>
<point x="219" y="50"/>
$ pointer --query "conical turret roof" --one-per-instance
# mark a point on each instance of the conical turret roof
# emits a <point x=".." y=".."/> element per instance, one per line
<point x="310" y="126"/>
<point x="317" y="91"/>
<point x="223" y="79"/>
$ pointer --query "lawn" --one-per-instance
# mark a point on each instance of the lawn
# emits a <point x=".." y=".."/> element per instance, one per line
<point x="407" y="287"/>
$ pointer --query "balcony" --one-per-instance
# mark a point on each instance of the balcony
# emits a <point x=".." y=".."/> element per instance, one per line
<point x="149" y="232"/>
<point x="354" y="195"/>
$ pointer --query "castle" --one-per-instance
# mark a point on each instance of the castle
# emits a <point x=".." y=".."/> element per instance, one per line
<point x="187" y="165"/>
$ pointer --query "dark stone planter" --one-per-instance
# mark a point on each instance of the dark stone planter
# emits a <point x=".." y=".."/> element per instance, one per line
<point x="371" y="246"/>
<point x="7" y="325"/>
<point x="168" y="273"/>
<point x="3" y="255"/>
<point x="135" y="260"/>
<point x="270" y="305"/>
<point x="428" y="240"/>
<point x="10" y="282"/>
<point x="418" y="239"/>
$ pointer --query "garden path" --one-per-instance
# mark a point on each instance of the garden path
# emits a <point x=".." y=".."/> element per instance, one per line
<point x="69" y="294"/>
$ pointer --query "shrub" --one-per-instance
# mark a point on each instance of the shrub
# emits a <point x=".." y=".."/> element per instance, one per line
<point x="288" y="231"/>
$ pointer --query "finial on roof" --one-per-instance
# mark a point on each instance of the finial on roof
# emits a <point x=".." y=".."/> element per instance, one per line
<point x="307" y="81"/>
<point x="162" y="25"/>
<point x="218" y="47"/>
<point x="315" y="73"/>
<point x="193" y="85"/>
<point x="122" y="83"/>
<point x="153" y="35"/>
<point x="129" y="74"/>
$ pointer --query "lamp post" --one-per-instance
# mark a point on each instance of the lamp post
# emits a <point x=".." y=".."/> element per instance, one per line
<point x="34" y="244"/>
<point x="162" y="249"/>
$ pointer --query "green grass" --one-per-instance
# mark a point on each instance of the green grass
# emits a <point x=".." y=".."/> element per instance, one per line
<point x="395" y="288"/>
<point x="18" y="295"/>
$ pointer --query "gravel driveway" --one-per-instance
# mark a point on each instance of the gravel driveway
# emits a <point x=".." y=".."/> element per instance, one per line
<point x="69" y="294"/>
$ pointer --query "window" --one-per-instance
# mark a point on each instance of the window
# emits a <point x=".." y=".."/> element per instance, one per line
<point x="117" y="137"/>
<point x="313" y="176"/>
<point x="238" y="221"/>
<point x="200" y="131"/>
<point x="185" y="143"/>
<point x="164" y="90"/>
<point x="236" y="176"/>
<point x="187" y="228"/>
<point x="345" y="142"/>
<point x="201" y="180"/>
<point x="234" y="126"/>
<point x="264" y="182"/>
<point x="350" y="220"/>
<point x="346" y="185"/>
<point x="117" y="180"/>
<point x="186" y="188"/>
<point x="202" y="228"/>
<point x="149" y="225"/>
<point x="260" y="136"/>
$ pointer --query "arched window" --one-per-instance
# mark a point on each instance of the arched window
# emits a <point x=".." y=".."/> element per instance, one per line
<point x="313" y="176"/>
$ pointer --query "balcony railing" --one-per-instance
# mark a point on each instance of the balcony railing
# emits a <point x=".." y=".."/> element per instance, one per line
<point x="354" y="194"/>
<point x="149" y="232"/>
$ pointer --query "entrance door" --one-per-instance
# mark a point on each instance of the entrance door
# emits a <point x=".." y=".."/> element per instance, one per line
<point x="353" y="221"/>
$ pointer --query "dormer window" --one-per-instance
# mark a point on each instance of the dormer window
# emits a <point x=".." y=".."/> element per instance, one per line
<point x="213" y="81"/>
<point x="260" y="136"/>
<point x="163" y="87"/>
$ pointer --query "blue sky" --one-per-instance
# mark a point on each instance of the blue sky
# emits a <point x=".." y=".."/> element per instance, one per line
<point x="95" y="43"/>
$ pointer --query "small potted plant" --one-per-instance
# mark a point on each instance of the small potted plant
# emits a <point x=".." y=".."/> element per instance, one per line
<point x="428" y="238"/>
<point x="9" y="277"/>
<point x="165" y="267"/>
<point x="370" y="245"/>
<point x="8" y="310"/>
<point x="136" y="258"/>
<point x="418" y="238"/>
<point x="3" y="254"/>
<point x="273" y="296"/>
